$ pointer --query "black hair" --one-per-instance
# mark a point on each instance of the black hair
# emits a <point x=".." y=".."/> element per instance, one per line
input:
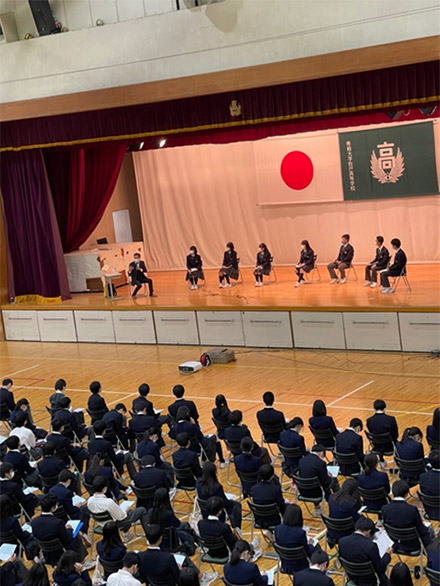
<point x="60" y="384"/>
<point x="346" y="236"/>
<point x="120" y="406"/>
<point x="161" y="504"/>
<point x="131" y="559"/>
<point x="5" y="468"/>
<point x="401" y="575"/>
<point x="57" y="424"/>
<point x="66" y="563"/>
<point x="230" y="245"/>
<point x="94" y="466"/>
<point x="209" y="479"/>
<point x="48" y="502"/>
<point x="411" y="432"/>
<point x="65" y="402"/>
<point x="370" y="463"/>
<point x="240" y="547"/>
<point x="194" y="248"/>
<point x="95" y="387"/>
<point x="319" y="408"/>
<point x="400" y="488"/>
<point x="111" y="537"/>
<point x="306" y="244"/>
<point x="379" y="405"/>
<point x="12" y="442"/>
<point x="294" y="422"/>
<point x="66" y="475"/>
<point x="395" y="242"/>
<point x="153" y="533"/>
<point x="268" y="398"/>
<point x="21" y="402"/>
<point x="235" y="417"/>
<point x="20" y="419"/>
<point x="6" y="382"/>
<point x="5" y="507"/>
<point x="144" y="389"/>
<point x="182" y="439"/>
<point x="434" y="459"/>
<point x="247" y="445"/>
<point x="348" y="493"/>
<point x="178" y="391"/>
<point x="100" y="483"/>
<point x="356" y="422"/>
<point x="266" y="472"/>
<point x="436" y="418"/>
<point x="99" y="427"/>
<point x="293" y="516"/>
<point x="222" y="404"/>
<point x="264" y="247"/>
<point x="379" y="239"/>
<point x="214" y="505"/>
<point x="189" y="577"/>
<point x="37" y="576"/>
<point x="183" y="413"/>
<point x="137" y="254"/>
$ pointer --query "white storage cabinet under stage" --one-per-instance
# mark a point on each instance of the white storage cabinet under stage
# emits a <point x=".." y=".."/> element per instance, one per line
<point x="21" y="325"/>
<point x="176" y="327"/>
<point x="267" y="329"/>
<point x="94" y="326"/>
<point x="220" y="328"/>
<point x="372" y="331"/>
<point x="56" y="326"/>
<point x="318" y="329"/>
<point x="134" y="327"/>
<point x="420" y="332"/>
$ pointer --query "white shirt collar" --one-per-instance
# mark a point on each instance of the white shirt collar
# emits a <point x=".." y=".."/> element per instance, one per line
<point x="212" y="518"/>
<point x="99" y="437"/>
<point x="399" y="498"/>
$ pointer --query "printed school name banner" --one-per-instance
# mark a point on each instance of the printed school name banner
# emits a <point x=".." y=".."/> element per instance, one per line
<point x="389" y="162"/>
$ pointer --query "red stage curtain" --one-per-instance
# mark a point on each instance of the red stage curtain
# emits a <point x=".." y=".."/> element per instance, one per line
<point x="82" y="183"/>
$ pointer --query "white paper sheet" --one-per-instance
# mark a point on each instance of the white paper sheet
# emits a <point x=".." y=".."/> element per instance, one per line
<point x="383" y="541"/>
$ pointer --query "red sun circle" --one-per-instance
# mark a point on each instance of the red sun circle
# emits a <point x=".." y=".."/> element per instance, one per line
<point x="297" y="170"/>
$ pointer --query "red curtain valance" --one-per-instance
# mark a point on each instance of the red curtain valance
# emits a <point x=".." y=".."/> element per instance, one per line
<point x="337" y="97"/>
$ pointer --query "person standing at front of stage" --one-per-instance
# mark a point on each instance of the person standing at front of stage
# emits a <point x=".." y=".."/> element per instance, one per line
<point x="306" y="262"/>
<point x="229" y="268"/>
<point x="137" y="270"/>
<point x="263" y="264"/>
<point x="344" y="260"/>
<point x="194" y="265"/>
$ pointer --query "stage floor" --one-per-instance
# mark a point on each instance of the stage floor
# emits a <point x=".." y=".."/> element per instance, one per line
<point x="173" y="293"/>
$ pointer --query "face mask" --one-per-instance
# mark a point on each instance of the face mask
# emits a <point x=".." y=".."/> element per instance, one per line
<point x="12" y="475"/>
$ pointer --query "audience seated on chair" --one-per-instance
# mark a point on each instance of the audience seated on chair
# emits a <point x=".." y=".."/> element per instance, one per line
<point x="410" y="448"/>
<point x="213" y="526"/>
<point x="270" y="417"/>
<point x="23" y="470"/>
<point x="351" y="442"/>
<point x="111" y="548"/>
<point x="344" y="504"/>
<point x="292" y="438"/>
<point x="208" y="486"/>
<point x="55" y="398"/>
<point x="381" y="423"/>
<point x="96" y="403"/>
<point x="313" y="466"/>
<point x="316" y="574"/>
<point x="125" y="576"/>
<point x="240" y="570"/>
<point x="371" y="479"/>
<point x="7" y="398"/>
<point x="69" y="570"/>
<point x="268" y="491"/>
<point x="430" y="483"/>
<point x="178" y="392"/>
<point x="184" y="457"/>
<point x="323" y="422"/>
<point x="247" y="462"/>
<point x="149" y="476"/>
<point x="8" y="486"/>
<point x="433" y="430"/>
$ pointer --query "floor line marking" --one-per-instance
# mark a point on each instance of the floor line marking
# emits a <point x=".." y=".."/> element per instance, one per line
<point x="18" y="371"/>
<point x="350" y="393"/>
<point x="122" y="399"/>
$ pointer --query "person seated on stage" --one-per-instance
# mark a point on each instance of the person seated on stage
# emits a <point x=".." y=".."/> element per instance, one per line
<point x="380" y="423"/>
<point x="184" y="457"/>
<point x="401" y="575"/>
<point x="213" y="525"/>
<point x="433" y="430"/>
<point x="271" y="417"/>
<point x="398" y="513"/>
<point x="395" y="270"/>
<point x="178" y="392"/>
<point x="111" y="547"/>
<point x="141" y="402"/>
<point x="372" y="479"/>
<point x="359" y="548"/>
<point x="100" y="503"/>
<point x="343" y="262"/>
<point x="350" y="441"/>
<point x="323" y="422"/>
<point x="208" y="486"/>
<point x="23" y="406"/>
<point x="9" y="523"/>
<point x="69" y="571"/>
<point x="126" y="576"/>
<point x="199" y="442"/>
<point x="194" y="266"/>
<point x="68" y="419"/>
<point x="343" y="504"/>
<point x="268" y="491"/>
<point x="240" y="570"/>
<point x="379" y="263"/>
<point x="101" y="446"/>
<point x="63" y="445"/>
<point x="237" y="430"/>
<point x="430" y="483"/>
<point x="306" y="262"/>
<point x="316" y="574"/>
<point x="47" y="527"/>
<point x="54" y="399"/>
<point x="263" y="264"/>
<point x="410" y="448"/>
<point x="64" y="494"/>
<point x="137" y="270"/>
<point x="116" y="428"/>
<point x="292" y="438"/>
<point x="313" y="465"/>
<point x="26" y="436"/>
<point x="161" y="513"/>
<point x="290" y="533"/>
<point x="247" y="462"/>
<point x="149" y="476"/>
<point x="433" y="551"/>
<point x="23" y="470"/>
<point x="7" y="401"/>
<point x="96" y="402"/>
<point x="97" y="467"/>
<point x="229" y="268"/>
<point x="50" y="465"/>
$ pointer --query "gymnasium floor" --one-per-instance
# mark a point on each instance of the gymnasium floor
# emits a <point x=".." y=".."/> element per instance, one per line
<point x="347" y="381"/>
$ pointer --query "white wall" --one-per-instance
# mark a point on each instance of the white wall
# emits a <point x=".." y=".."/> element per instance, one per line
<point x="214" y="37"/>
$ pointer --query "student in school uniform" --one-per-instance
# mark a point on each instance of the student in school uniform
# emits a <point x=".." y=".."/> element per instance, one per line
<point x="410" y="448"/>
<point x="240" y="570"/>
<point x="194" y="266"/>
<point x="7" y="401"/>
<point x="430" y="483"/>
<point x="433" y="430"/>
<point x="208" y="486"/>
<point x="214" y="525"/>
<point x="316" y="574"/>
<point x="313" y="465"/>
<point x="96" y="402"/>
<point x="380" y="423"/>
<point x="237" y="430"/>
<point x="350" y="441"/>
<point x="54" y="399"/>
<point x="23" y="470"/>
<point x="323" y="422"/>
<point x="10" y="523"/>
<point x="343" y="504"/>
<point x="141" y="402"/>
<point x="263" y="264"/>
<point x="268" y="491"/>
<point x="379" y="263"/>
<point x="395" y="269"/>
<point x="63" y="491"/>
<point x="184" y="457"/>
<point x="343" y="261"/>
<point x="111" y="547"/>
<point x="99" y="445"/>
<point x="292" y="438"/>
<point x="271" y="417"/>
<point x="371" y="479"/>
<point x="229" y="268"/>
<point x="148" y="477"/>
<point x="70" y="571"/>
<point x="247" y="462"/>
<point x="179" y="392"/>
<point x="306" y="262"/>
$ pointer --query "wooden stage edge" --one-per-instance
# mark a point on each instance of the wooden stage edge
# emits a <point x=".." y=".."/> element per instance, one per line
<point x="173" y="294"/>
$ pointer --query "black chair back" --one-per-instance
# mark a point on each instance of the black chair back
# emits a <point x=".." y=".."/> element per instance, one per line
<point x="233" y="447"/>
<point x="220" y="425"/>
<point x="430" y="502"/>
<point x="408" y="467"/>
<point x="96" y="415"/>
<point x="293" y="453"/>
<point x="345" y="526"/>
<point x="145" y="494"/>
<point x="290" y="554"/>
<point x="404" y="534"/>
<point x="322" y="434"/>
<point x="262" y="512"/>
<point x="249" y="478"/>
<point x="307" y="485"/>
<point x="358" y="570"/>
<point x="380" y="439"/>
<point x="433" y="444"/>
<point x="48" y="482"/>
<point x="434" y="577"/>
<point x="211" y="545"/>
<point x="271" y="430"/>
<point x="373" y="494"/>
<point x="346" y="459"/>
<point x="52" y="550"/>
<point x="110" y="567"/>
<point x="185" y="478"/>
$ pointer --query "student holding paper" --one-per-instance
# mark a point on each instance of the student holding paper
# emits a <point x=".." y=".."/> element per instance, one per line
<point x="69" y="570"/>
<point x="10" y="523"/>
<point x="209" y="486"/>
<point x="64" y="494"/>
<point x="240" y="569"/>
<point x="315" y="575"/>
<point x="343" y="504"/>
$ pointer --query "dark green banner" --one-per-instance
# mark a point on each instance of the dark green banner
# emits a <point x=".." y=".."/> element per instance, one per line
<point x="396" y="161"/>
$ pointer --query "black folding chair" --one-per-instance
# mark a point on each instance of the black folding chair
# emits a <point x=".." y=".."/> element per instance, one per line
<point x="354" y="570"/>
<point x="110" y="567"/>
<point x="323" y="434"/>
<point x="403" y="275"/>
<point x="407" y="468"/>
<point x="234" y="449"/>
<point x="249" y="478"/>
<point x="259" y="514"/>
<point x="288" y="554"/>
<point x="288" y="453"/>
<point x="96" y="415"/>
<point x="304" y="487"/>
<point x="98" y="522"/>
<point x="433" y="444"/>
<point x="208" y="546"/>
<point x="430" y="502"/>
<point x="347" y="459"/>
<point x="373" y="494"/>
<point x="434" y="577"/>
<point x="376" y="440"/>
<point x="52" y="549"/>
<point x="10" y="537"/>
<point x="345" y="526"/>
<point x="48" y="482"/>
<point x="144" y="495"/>
<point x="186" y="481"/>
<point x="268" y="431"/>
<point x="402" y="535"/>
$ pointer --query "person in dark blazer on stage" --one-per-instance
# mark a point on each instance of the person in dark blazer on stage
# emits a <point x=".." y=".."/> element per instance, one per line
<point x="410" y="448"/>
<point x="194" y="267"/>
<point x="229" y="268"/>
<point x="292" y="438"/>
<point x="306" y="262"/>
<point x="178" y="392"/>
<point x="430" y="483"/>
<point x="342" y="505"/>
<point x="268" y="491"/>
<point x="398" y="513"/>
<point x="379" y="263"/>
<point x="399" y="264"/>
<point x="240" y="570"/>
<point x="371" y="478"/>
<point x="184" y="457"/>
<point x="212" y="526"/>
<point x="380" y="423"/>
<point x="263" y="264"/>
<point x="290" y="533"/>
<point x="271" y="417"/>
<point x="313" y="465"/>
<point x="343" y="261"/>
<point x="96" y="402"/>
<point x="351" y="442"/>
<point x="433" y="430"/>
<point x="358" y="548"/>
<point x="316" y="574"/>
<point x="137" y="270"/>
<point x="323" y="422"/>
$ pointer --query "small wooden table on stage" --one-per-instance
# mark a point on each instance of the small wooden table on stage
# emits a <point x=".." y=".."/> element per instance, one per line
<point x="109" y="287"/>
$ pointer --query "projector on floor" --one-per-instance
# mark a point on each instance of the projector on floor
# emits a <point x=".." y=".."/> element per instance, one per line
<point x="190" y="367"/>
